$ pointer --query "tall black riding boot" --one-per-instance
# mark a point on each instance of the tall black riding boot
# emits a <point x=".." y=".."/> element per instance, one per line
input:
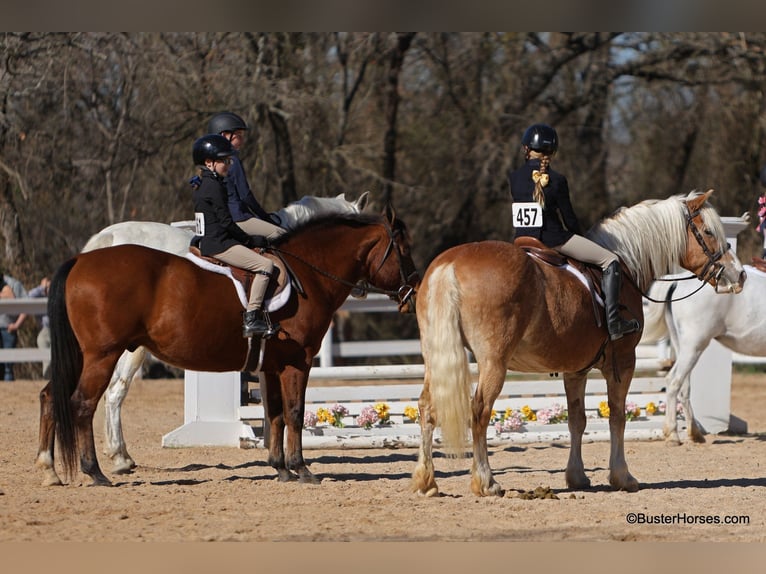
<point x="611" y="281"/>
<point x="258" y="324"/>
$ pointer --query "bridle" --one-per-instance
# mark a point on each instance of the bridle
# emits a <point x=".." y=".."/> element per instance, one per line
<point x="402" y="295"/>
<point x="713" y="269"/>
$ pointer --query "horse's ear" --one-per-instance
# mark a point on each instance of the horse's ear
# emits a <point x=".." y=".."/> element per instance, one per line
<point x="341" y="196"/>
<point x="361" y="203"/>
<point x="390" y="213"/>
<point x="696" y="203"/>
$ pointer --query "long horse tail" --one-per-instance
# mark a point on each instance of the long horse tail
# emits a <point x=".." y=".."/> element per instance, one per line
<point x="655" y="324"/>
<point x="65" y="367"/>
<point x="450" y="379"/>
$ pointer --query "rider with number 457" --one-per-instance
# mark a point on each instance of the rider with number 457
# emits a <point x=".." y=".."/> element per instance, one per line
<point x="542" y="209"/>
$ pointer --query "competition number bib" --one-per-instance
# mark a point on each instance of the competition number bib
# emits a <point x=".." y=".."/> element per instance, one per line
<point x="527" y="214"/>
<point x="199" y="223"/>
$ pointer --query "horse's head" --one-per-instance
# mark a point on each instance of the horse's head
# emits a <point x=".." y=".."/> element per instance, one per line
<point x="391" y="268"/>
<point x="708" y="254"/>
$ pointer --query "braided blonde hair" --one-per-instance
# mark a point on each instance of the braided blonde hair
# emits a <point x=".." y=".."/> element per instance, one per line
<point x="540" y="182"/>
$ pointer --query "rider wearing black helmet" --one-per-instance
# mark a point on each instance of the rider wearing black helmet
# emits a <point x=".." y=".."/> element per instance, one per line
<point x="221" y="237"/>
<point x="542" y="208"/>
<point x="243" y="206"/>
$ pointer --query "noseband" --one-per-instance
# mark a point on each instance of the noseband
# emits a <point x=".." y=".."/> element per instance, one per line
<point x="713" y="269"/>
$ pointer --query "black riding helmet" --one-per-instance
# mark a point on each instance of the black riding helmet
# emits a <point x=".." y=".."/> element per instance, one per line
<point x="225" y="122"/>
<point x="211" y="146"/>
<point x="541" y="138"/>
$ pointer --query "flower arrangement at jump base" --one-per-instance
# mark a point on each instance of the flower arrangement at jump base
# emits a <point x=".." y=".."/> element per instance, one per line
<point x="372" y="414"/>
<point x="633" y="411"/>
<point x="511" y="420"/>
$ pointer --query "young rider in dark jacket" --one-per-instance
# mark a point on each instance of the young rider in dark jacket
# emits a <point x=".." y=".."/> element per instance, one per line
<point x="542" y="209"/>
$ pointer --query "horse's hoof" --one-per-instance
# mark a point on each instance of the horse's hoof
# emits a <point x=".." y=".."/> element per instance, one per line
<point x="284" y="475"/>
<point x="310" y="479"/>
<point x="123" y="469"/>
<point x="52" y="481"/>
<point x="101" y="481"/>
<point x="579" y="482"/>
<point x="629" y="485"/>
<point x="671" y="441"/>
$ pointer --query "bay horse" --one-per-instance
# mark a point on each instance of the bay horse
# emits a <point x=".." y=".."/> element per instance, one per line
<point x="176" y="240"/>
<point x="691" y="322"/>
<point x="106" y="301"/>
<point x="513" y="311"/>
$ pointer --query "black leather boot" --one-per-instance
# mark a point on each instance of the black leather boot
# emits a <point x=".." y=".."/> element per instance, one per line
<point x="257" y="324"/>
<point x="611" y="281"/>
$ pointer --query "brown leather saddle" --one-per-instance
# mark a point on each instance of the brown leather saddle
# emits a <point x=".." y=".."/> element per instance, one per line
<point x="278" y="282"/>
<point x="592" y="274"/>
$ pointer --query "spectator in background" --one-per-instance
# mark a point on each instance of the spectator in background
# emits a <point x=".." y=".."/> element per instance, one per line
<point x="10" y="288"/>
<point x="761" y="227"/>
<point x="44" y="336"/>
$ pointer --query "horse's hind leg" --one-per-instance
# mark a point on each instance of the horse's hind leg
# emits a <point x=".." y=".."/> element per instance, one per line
<point x="678" y="388"/>
<point x="93" y="383"/>
<point x="574" y="384"/>
<point x="491" y="378"/>
<point x="115" y="448"/>
<point x="423" y="479"/>
<point x="44" y="459"/>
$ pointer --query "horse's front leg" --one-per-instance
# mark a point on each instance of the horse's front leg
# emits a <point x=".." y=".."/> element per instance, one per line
<point x="44" y="459"/>
<point x="491" y="378"/>
<point x="115" y="447"/>
<point x="693" y="429"/>
<point x="423" y="477"/>
<point x="294" y="396"/>
<point x="617" y="384"/>
<point x="574" y="384"/>
<point x="272" y="402"/>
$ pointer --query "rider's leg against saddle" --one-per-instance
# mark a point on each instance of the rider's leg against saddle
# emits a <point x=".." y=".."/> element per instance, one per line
<point x="582" y="249"/>
<point x="611" y="282"/>
<point x="255" y="320"/>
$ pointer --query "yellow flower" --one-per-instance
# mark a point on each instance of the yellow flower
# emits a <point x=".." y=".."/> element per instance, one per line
<point x="508" y="413"/>
<point x="651" y="408"/>
<point x="324" y="416"/>
<point x="382" y="410"/>
<point x="411" y="413"/>
<point x="603" y="409"/>
<point x="493" y="415"/>
<point x="528" y="413"/>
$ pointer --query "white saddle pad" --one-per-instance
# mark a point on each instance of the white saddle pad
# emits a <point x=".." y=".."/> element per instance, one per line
<point x="272" y="304"/>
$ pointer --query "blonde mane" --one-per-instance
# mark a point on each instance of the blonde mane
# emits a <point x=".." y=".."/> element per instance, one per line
<point x="650" y="237"/>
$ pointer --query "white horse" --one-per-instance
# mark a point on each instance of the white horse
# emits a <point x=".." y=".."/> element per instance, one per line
<point x="738" y="322"/>
<point x="176" y="240"/>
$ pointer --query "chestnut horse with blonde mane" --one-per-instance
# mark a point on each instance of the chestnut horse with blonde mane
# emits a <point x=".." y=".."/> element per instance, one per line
<point x="513" y="311"/>
<point x="119" y="298"/>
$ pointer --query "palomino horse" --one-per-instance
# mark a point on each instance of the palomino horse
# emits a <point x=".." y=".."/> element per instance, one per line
<point x="109" y="300"/>
<point x="738" y="323"/>
<point x="513" y="311"/>
<point x="176" y="240"/>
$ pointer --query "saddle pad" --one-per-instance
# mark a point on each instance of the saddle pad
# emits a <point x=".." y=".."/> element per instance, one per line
<point x="577" y="273"/>
<point x="277" y="301"/>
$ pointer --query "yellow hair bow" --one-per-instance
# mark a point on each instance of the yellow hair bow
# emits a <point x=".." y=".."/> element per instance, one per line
<point x="543" y="178"/>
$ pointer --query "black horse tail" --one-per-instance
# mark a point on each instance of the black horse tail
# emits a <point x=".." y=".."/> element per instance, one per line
<point x="65" y="368"/>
